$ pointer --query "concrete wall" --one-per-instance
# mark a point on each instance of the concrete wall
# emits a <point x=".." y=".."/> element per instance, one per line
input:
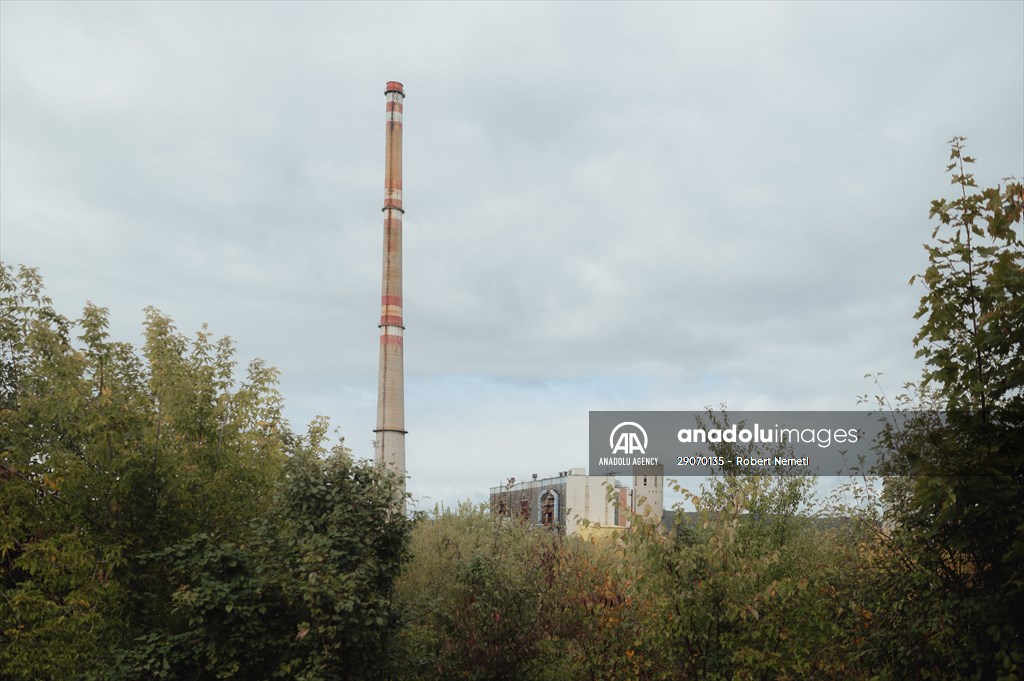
<point x="587" y="499"/>
<point x="562" y="501"/>
<point x="649" y="492"/>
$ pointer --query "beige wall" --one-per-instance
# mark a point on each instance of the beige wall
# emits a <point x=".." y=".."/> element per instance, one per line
<point x="587" y="499"/>
<point x="581" y="498"/>
<point x="649" y="493"/>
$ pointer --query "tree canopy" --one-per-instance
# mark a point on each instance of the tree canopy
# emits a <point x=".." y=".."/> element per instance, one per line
<point x="160" y="517"/>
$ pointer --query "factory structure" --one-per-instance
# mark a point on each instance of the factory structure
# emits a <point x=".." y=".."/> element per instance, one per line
<point x="389" y="440"/>
<point x="572" y="500"/>
<point x="561" y="502"/>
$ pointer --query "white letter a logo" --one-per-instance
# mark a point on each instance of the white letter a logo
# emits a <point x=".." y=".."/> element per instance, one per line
<point x="628" y="441"/>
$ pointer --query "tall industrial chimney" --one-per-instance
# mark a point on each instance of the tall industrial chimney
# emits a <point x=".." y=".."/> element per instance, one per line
<point x="390" y="430"/>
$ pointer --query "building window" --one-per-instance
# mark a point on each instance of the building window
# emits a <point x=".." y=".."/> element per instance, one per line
<point x="547" y="512"/>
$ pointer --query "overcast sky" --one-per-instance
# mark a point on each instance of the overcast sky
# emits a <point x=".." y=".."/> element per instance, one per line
<point x="608" y="206"/>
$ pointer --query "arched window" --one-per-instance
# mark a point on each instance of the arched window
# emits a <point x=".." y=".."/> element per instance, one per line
<point x="547" y="514"/>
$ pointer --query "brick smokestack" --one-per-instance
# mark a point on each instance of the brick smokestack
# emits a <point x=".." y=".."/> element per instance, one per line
<point x="390" y="430"/>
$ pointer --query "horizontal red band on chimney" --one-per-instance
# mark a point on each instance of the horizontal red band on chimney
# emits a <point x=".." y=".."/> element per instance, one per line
<point x="393" y="106"/>
<point x="391" y="340"/>
<point x="390" y="320"/>
<point x="394" y="86"/>
<point x="391" y="300"/>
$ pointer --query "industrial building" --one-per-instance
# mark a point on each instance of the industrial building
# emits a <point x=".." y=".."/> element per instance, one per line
<point x="564" y="501"/>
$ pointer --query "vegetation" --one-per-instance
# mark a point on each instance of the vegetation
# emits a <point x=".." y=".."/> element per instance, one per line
<point x="161" y="520"/>
<point x="955" y="587"/>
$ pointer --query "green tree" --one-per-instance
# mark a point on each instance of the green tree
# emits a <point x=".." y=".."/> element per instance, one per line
<point x="476" y="594"/>
<point x="953" y="589"/>
<point x="742" y="589"/>
<point x="307" y="597"/>
<point x="973" y="306"/>
<point x="108" y="455"/>
<point x="160" y="520"/>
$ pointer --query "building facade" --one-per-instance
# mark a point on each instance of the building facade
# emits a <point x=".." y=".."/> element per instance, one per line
<point x="564" y="501"/>
<point x="648" y="494"/>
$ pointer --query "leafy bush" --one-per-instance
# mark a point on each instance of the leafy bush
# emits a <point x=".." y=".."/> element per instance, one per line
<point x="160" y="520"/>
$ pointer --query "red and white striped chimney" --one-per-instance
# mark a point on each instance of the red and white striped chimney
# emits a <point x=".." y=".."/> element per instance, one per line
<point x="390" y="430"/>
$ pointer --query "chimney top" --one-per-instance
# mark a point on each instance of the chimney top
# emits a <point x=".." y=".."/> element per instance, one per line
<point x="394" y="86"/>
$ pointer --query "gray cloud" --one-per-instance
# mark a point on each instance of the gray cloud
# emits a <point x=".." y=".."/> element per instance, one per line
<point x="609" y="205"/>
